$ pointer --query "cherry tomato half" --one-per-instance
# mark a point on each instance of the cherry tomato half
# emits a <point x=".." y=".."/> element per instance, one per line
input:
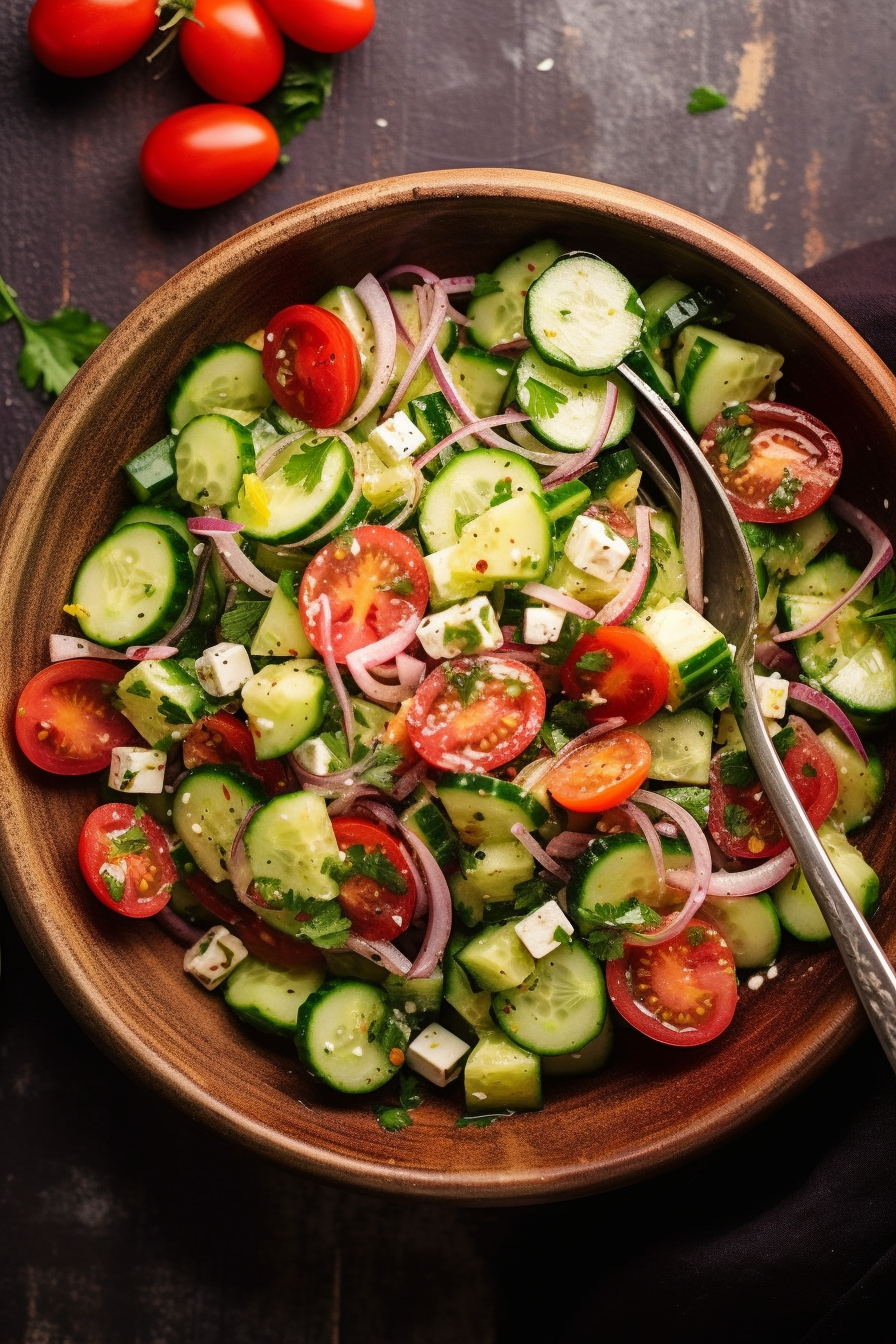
<point x="682" y="992"/>
<point x="78" y="38"/>
<point x="622" y="670"/>
<point x="208" y="154"/>
<point x="601" y="774"/>
<point x="374" y="578"/>
<point x="311" y="364"/>
<point x="220" y="738"/>
<point x="379" y="907"/>
<point x="66" y="721"/>
<point x="324" y="25"/>
<point x="265" y="943"/>
<point x="476" y="713"/>
<point x="776" y="462"/>
<point x="233" y="49"/>
<point x="126" y="861"/>
<point x="742" y="821"/>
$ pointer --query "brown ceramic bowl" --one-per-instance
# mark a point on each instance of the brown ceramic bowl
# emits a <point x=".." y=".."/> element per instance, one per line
<point x="652" y="1107"/>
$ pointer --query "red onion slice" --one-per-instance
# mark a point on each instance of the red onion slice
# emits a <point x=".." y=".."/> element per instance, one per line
<point x="241" y="875"/>
<point x="188" y="615"/>
<point x="395" y="272"/>
<point x="442" y="375"/>
<point x="533" y="449"/>
<point x="577" y="463"/>
<point x="385" y="340"/>
<point x="749" y="882"/>
<point x="332" y="783"/>
<point x="555" y="597"/>
<point x="667" y="829"/>
<point x="776" y="659"/>
<point x="693" y="833"/>
<point x="65" y="647"/>
<point x="619" y="608"/>
<point x="510" y="347"/>
<point x="691" y="531"/>
<point x="410" y="670"/>
<point x="373" y="655"/>
<point x="458" y="284"/>
<point x="881" y="555"/>
<point x="438" y="309"/>
<point x="386" y="693"/>
<point x="476" y="428"/>
<point x="540" y="855"/>
<point x="568" y="844"/>
<point x="410" y="503"/>
<point x="178" y="928"/>
<point x="649" y="832"/>
<point x="438" y="924"/>
<point x="353" y="794"/>
<point x="332" y="669"/>
<point x="825" y="705"/>
<point x="407" y="782"/>
<point x="240" y="566"/>
<point x="208" y="523"/>
<point x="380" y="953"/>
<point x="460" y="319"/>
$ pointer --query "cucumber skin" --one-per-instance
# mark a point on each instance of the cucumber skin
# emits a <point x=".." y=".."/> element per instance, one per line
<point x="182" y="580"/>
<point x="533" y="813"/>
<point x="305" y="1023"/>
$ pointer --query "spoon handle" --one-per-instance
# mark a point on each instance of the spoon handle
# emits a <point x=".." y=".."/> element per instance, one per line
<point x="871" y="972"/>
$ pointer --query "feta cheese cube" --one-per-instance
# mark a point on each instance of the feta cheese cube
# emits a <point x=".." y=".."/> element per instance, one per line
<point x="437" y="1055"/>
<point x="137" y="770"/>
<point x="396" y="438"/>
<point x="224" y="669"/>
<point x="595" y="548"/>
<point x="536" y="931"/>
<point x="467" y="627"/>
<point x="772" y="692"/>
<point x="217" y="953"/>
<point x="314" y="755"/>
<point x="542" y="625"/>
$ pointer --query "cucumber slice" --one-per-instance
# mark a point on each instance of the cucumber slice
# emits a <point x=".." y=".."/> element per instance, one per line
<point x="344" y="1035"/>
<point x="496" y="958"/>
<point x="207" y="812"/>
<point x="861" y="786"/>
<point x="161" y="700"/>
<point x="344" y="303"/>
<point x="222" y="377"/>
<point x="712" y="370"/>
<point x="428" y="824"/>
<point x="405" y="301"/>
<point x="509" y="543"/>
<point x="280" y="633"/>
<point x="486" y="889"/>
<point x="286" y="842"/>
<point x="481" y="379"/>
<point x="152" y="473"/>
<point x="285" y="703"/>
<point x="616" y="867"/>
<point x="659" y="297"/>
<point x="481" y="807"/>
<point x="473" y="1006"/>
<point x="560" y="1007"/>
<point x="583" y="315"/>
<point x="159" y="517"/>
<point x="350" y="966"/>
<point x="467" y="487"/>
<point x="562" y="500"/>
<point x="798" y="909"/>
<point x="680" y="745"/>
<point x="696" y="652"/>
<point x="133" y="585"/>
<point x="565" y="409"/>
<point x="212" y="600"/>
<point x="213" y="452"/>
<point x="270" y="997"/>
<point x="383" y="486"/>
<point x="497" y="317"/>
<point x="796" y="545"/>
<point x="499" y="1076"/>
<point x="305" y="485"/>
<point x="750" y="927"/>
<point x="589" y="1059"/>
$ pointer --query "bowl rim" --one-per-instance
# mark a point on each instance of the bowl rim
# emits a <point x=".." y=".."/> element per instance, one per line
<point x="86" y="1001"/>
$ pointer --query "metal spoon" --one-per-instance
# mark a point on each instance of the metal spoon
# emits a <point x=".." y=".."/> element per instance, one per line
<point x="732" y="604"/>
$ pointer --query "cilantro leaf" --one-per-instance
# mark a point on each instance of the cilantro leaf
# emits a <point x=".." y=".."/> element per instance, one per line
<point x="696" y="935"/>
<point x="466" y="683"/>
<point x="411" y="1090"/>
<point x="52" y="350"/>
<point x="736" y="441"/>
<point x="570" y="632"/>
<point x="569" y="718"/>
<point x="882" y="612"/>
<point x="358" y="863"/>
<point x="306" y="467"/>
<point x="172" y="712"/>
<point x="240" y="623"/>
<point x="305" y="86"/>
<point x="784" y="496"/>
<point x="392" y="1118"/>
<point x="784" y="740"/>
<point x="503" y="492"/>
<point x="607" y="940"/>
<point x="486" y="284"/>
<point x="597" y="661"/>
<point x="132" y="841"/>
<point x="323" y="922"/>
<point x="809" y="771"/>
<point x="705" y="99"/>
<point x="607" y="944"/>
<point x="561" y="936"/>
<point x="113" y="884"/>
<point x="542" y="402"/>
<point x="531" y="894"/>
<point x="737" y="820"/>
<point x="481" y="1121"/>
<point x="138" y="688"/>
<point x="693" y="798"/>
<point x="736" y="769"/>
<point x="461" y="520"/>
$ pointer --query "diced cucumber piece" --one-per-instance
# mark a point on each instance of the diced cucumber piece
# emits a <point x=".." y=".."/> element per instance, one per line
<point x="280" y="633"/>
<point x="185" y="904"/>
<point x="305" y="485"/>
<point x="469" y="485"/>
<point x="696" y="652"/>
<point x="222" y="377"/>
<point x="418" y="1001"/>
<point x="560" y="1007"/>
<point x="430" y="826"/>
<point x="750" y="927"/>
<point x="860" y="786"/>
<point x="496" y="958"/>
<point x="161" y="700"/>
<point x="207" y="811"/>
<point x="270" y="997"/>
<point x="576" y="583"/>
<point x="497" y="317"/>
<point x="795" y="545"/>
<point x="286" y="843"/>
<point x="616" y="867"/>
<point x="473" y="1006"/>
<point x="566" y="409"/>
<point x="433" y="417"/>
<point x="659" y="297"/>
<point x="798" y="909"/>
<point x="589" y="1059"/>
<point x="667" y="558"/>
<point x="609" y="470"/>
<point x="285" y="703"/>
<point x="481" y="807"/>
<point x="405" y="301"/>
<point x="680" y="745"/>
<point x="646" y="362"/>
<point x="498" y="1076"/>
<point x="671" y="305"/>
<point x="213" y="452"/>
<point x="152" y="473"/>
<point x="133" y="585"/>
<point x="510" y="543"/>
<point x="583" y="315"/>
<point x="481" y="379"/>
<point x="451" y="579"/>
<point x="712" y="370"/>
<point x="382" y="485"/>
<point x="489" y="886"/>
<point x="345" y="1033"/>
<point x="562" y="500"/>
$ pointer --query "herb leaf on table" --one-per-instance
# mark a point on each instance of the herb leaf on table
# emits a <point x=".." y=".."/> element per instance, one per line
<point x="52" y="350"/>
<point x="304" y="87"/>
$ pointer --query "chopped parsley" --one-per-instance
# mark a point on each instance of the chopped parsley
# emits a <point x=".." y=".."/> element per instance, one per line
<point x="570" y="632"/>
<point x="503" y="492"/>
<point x="607" y="942"/>
<point x="542" y="402"/>
<point x="172" y="712"/>
<point x="359" y="863"/>
<point x="531" y="894"/>
<point x="133" y="841"/>
<point x="306" y="467"/>
<point x="735" y="440"/>
<point x="140" y="689"/>
<point x="240" y="623"/>
<point x="461" y="520"/>
<point x="784" y="497"/>
<point x="53" y="350"/>
<point x="784" y="740"/>
<point x="466" y="683"/>
<point x="705" y="99"/>
<point x="403" y="587"/>
<point x="737" y="820"/>
<point x="809" y="771"/>
<point x="323" y="922"/>
<point x="696" y="935"/>
<point x="381" y="770"/>
<point x="392" y="1119"/>
<point x="597" y="661"/>
<point x="113" y="884"/>
<point x="736" y="769"/>
<point x="882" y="612"/>
<point x="467" y="635"/>
<point x="486" y="284"/>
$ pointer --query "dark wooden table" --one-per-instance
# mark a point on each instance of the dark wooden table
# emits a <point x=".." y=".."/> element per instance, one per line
<point x="108" y="1231"/>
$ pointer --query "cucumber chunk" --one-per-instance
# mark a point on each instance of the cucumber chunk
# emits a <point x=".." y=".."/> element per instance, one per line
<point x="498" y="1076"/>
<point x="667" y="560"/>
<point x="133" y="585"/>
<point x="481" y="807"/>
<point x="750" y="927"/>
<point x="469" y="485"/>
<point x="793" y="546"/>
<point x="566" y="409"/>
<point x="647" y="364"/>
<point x="481" y="379"/>
<point x="430" y="826"/>
<point x="696" y="651"/>
<point x="212" y="454"/>
<point x="418" y="1001"/>
<point x="616" y="867"/>
<point x="496" y="958"/>
<point x="345" y="1033"/>
<point x="489" y="886"/>
<point x="152" y="473"/>
<point x="305" y="485"/>
<point x="562" y="500"/>
<point x="433" y="417"/>
<point x="285" y="703"/>
<point x="270" y="997"/>
<point x="671" y="304"/>
<point x="280" y="632"/>
<point x="497" y="317"/>
<point x="712" y="370"/>
<point x="583" y="315"/>
<point x="610" y="470"/>
<point x="207" y="812"/>
<point x="798" y="909"/>
<point x="222" y="377"/>
<point x="860" y="786"/>
<point x="589" y="1059"/>
<point x="161" y="700"/>
<point x="560" y="1007"/>
<point x="509" y="543"/>
<point x="286" y="842"/>
<point x="473" y="1006"/>
<point x="680" y="745"/>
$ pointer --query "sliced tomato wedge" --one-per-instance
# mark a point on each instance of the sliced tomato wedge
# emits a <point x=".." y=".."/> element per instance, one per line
<point x="265" y="943"/>
<point x="126" y="861"/>
<point x="618" y="670"/>
<point x="682" y="992"/>
<point x="474" y="714"/>
<point x="742" y="821"/>
<point x="776" y="462"/>
<point x="375" y="580"/>
<point x="601" y="774"/>
<point x="219" y="738"/>
<point x="380" y="895"/>
<point x="66" y="719"/>
<point x="311" y="364"/>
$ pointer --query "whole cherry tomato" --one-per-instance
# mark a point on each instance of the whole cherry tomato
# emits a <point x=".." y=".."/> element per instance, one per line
<point x="233" y="50"/>
<point x="88" y="37"/>
<point x="324" y="25"/>
<point x="208" y="154"/>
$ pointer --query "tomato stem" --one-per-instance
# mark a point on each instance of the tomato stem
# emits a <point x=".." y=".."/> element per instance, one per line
<point x="183" y="9"/>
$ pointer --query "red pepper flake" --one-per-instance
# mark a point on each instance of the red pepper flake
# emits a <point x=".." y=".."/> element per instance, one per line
<point x="481" y="566"/>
